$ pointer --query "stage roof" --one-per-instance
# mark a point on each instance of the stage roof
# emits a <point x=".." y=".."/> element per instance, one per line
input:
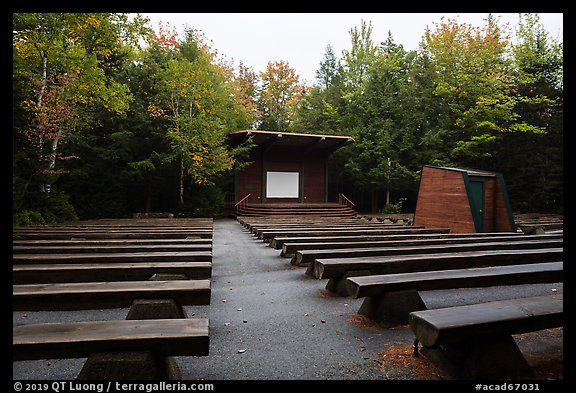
<point x="314" y="141"/>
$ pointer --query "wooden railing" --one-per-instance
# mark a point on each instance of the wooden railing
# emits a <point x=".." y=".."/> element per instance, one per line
<point x="344" y="200"/>
<point x="241" y="203"/>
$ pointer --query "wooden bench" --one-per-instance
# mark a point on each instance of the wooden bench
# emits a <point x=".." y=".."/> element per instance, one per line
<point x="256" y="228"/>
<point x="124" y="248"/>
<point x="338" y="270"/>
<point x="475" y="341"/>
<point x="110" y="271"/>
<point x="128" y="234"/>
<point x="390" y="298"/>
<point x="100" y="295"/>
<point x="289" y="249"/>
<point x="149" y="340"/>
<point x="108" y="242"/>
<point x="177" y="256"/>
<point x="248" y="222"/>
<point x="278" y="241"/>
<point x="305" y="257"/>
<point x="133" y="223"/>
<point x="156" y="328"/>
<point x="268" y="234"/>
<point x="168" y="337"/>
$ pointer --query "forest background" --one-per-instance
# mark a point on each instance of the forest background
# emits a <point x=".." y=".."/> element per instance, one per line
<point x="112" y="118"/>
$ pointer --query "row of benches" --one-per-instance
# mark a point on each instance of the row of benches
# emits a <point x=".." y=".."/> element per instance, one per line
<point x="538" y="223"/>
<point x="153" y="267"/>
<point x="388" y="270"/>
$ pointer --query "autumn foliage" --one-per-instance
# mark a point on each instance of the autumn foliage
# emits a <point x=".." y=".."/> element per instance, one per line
<point x="144" y="113"/>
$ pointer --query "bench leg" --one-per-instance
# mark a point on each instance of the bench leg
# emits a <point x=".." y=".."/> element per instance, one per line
<point x="155" y="309"/>
<point x="131" y="365"/>
<point x="338" y="285"/>
<point x="392" y="308"/>
<point x="492" y="356"/>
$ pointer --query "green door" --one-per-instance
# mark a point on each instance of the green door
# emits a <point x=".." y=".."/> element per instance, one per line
<point x="476" y="197"/>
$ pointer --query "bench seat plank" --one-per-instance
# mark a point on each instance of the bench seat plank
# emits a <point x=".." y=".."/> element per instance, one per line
<point x="289" y="249"/>
<point x="515" y="316"/>
<point x="100" y="295"/>
<point x="183" y="256"/>
<point x="375" y="285"/>
<point x="89" y="235"/>
<point x="169" y="337"/>
<point x="71" y="249"/>
<point x="109" y="242"/>
<point x="258" y="230"/>
<point x="267" y="236"/>
<point x="432" y="233"/>
<point x="336" y="268"/>
<point x="111" y="271"/>
<point x="304" y="257"/>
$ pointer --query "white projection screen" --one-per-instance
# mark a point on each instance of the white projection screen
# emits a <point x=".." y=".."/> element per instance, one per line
<point x="282" y="184"/>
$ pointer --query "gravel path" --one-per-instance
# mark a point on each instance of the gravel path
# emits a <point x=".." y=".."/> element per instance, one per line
<point x="269" y="321"/>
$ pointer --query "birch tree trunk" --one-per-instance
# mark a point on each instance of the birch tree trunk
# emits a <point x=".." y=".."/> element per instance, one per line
<point x="182" y="179"/>
<point x="43" y="187"/>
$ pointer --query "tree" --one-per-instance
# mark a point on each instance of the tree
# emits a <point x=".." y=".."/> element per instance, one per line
<point x="482" y="103"/>
<point x="537" y="69"/>
<point x="244" y="85"/>
<point x="279" y="96"/>
<point x="319" y="111"/>
<point x="62" y="67"/>
<point x="381" y="157"/>
<point x="193" y="95"/>
<point x="329" y="70"/>
<point x="361" y="55"/>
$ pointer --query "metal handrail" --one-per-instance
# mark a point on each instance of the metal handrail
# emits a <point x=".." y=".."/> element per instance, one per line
<point x="241" y="202"/>
<point x="348" y="202"/>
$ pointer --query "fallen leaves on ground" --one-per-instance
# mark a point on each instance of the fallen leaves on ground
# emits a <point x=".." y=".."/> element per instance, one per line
<point x="326" y="293"/>
<point x="362" y="321"/>
<point x="402" y="356"/>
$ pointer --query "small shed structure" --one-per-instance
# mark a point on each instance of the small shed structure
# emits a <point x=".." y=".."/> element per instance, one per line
<point x="285" y="167"/>
<point x="464" y="200"/>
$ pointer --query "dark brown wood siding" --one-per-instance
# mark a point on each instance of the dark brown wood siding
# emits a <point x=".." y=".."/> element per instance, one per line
<point x="443" y="201"/>
<point x="310" y="165"/>
<point x="502" y="214"/>
<point x="249" y="179"/>
<point x="314" y="175"/>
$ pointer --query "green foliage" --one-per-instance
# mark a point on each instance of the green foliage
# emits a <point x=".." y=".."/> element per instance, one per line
<point x="27" y="217"/>
<point x="202" y="201"/>
<point x="103" y="127"/>
<point x="394" y="208"/>
<point x="48" y="208"/>
<point x="466" y="98"/>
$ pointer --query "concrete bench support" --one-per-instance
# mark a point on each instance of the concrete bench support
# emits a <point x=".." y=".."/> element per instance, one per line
<point x="139" y="364"/>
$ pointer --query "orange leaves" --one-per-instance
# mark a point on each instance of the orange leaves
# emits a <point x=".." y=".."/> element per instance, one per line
<point x="281" y="93"/>
<point x="167" y="36"/>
